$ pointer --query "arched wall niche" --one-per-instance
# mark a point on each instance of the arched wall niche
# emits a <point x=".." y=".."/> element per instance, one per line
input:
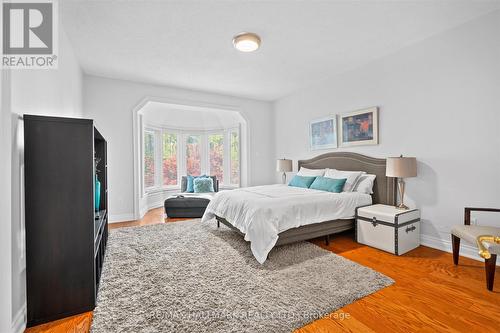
<point x="161" y="113"/>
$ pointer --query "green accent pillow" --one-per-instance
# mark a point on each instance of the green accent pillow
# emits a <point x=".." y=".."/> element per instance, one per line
<point x="301" y="181"/>
<point x="203" y="185"/>
<point x="328" y="184"/>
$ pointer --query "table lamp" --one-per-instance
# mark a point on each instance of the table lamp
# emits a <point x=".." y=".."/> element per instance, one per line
<point x="284" y="165"/>
<point x="401" y="167"/>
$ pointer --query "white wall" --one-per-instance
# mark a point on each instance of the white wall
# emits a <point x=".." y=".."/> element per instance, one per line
<point x="41" y="92"/>
<point x="439" y="101"/>
<point x="5" y="205"/>
<point x="158" y="114"/>
<point x="111" y="103"/>
<point x="5" y="202"/>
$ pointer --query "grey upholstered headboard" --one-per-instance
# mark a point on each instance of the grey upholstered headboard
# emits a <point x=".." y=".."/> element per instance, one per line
<point x="384" y="189"/>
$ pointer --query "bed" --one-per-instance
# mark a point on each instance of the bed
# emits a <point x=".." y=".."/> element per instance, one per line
<point x="275" y="215"/>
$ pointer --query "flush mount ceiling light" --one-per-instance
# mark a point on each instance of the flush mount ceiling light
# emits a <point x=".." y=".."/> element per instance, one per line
<point x="246" y="42"/>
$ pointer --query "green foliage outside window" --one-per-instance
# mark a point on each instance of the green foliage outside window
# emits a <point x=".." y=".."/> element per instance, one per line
<point x="193" y="155"/>
<point x="169" y="159"/>
<point x="216" y="151"/>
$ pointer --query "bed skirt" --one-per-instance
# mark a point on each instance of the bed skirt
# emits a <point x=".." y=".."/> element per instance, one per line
<point x="304" y="232"/>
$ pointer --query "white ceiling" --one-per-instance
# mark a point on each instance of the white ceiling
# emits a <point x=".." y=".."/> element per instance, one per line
<point x="188" y="43"/>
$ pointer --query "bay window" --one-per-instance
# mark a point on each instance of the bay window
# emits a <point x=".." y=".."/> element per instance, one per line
<point x="170" y="154"/>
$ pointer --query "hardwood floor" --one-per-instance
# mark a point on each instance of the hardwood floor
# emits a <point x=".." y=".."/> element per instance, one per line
<point x="74" y="324"/>
<point x="430" y="293"/>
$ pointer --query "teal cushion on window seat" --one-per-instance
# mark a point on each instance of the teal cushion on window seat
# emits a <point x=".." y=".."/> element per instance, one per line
<point x="190" y="182"/>
<point x="203" y="185"/>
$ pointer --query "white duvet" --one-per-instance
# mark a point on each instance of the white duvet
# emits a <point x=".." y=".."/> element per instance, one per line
<point x="262" y="212"/>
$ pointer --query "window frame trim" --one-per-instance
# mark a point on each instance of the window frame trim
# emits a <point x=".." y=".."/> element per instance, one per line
<point x="229" y="132"/>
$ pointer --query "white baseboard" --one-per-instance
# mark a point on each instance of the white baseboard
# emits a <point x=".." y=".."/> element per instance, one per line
<point x="19" y="321"/>
<point x="466" y="250"/>
<point x="144" y="209"/>
<point x="115" y="218"/>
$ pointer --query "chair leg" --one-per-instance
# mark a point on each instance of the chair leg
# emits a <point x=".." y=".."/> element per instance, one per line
<point x="455" y="241"/>
<point x="490" y="265"/>
<point x="327" y="240"/>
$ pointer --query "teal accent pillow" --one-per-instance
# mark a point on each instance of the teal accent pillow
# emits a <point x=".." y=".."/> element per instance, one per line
<point x="301" y="181"/>
<point x="190" y="182"/>
<point x="328" y="184"/>
<point x="203" y="185"/>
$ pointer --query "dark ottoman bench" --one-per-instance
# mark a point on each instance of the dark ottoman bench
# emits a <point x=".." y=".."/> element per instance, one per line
<point x="188" y="206"/>
<point x="185" y="206"/>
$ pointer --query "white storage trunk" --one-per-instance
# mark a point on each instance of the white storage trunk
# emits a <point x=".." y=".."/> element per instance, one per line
<point x="388" y="228"/>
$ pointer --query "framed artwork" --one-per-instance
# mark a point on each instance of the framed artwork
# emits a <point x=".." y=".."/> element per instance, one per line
<point x="323" y="133"/>
<point x="359" y="128"/>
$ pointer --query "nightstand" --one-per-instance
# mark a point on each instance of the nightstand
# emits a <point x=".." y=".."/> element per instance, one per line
<point x="388" y="228"/>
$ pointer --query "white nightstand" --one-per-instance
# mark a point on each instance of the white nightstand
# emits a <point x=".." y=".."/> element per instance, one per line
<point x="388" y="228"/>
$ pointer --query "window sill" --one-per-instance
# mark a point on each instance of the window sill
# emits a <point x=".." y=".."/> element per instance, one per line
<point x="162" y="189"/>
<point x="154" y="190"/>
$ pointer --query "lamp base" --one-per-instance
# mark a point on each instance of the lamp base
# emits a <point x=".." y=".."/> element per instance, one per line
<point x="283" y="178"/>
<point x="402" y="206"/>
<point x="401" y="190"/>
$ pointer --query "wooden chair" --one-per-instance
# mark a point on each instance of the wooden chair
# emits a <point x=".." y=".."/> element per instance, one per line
<point x="471" y="233"/>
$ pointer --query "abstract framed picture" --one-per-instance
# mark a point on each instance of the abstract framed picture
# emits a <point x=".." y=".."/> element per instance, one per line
<point x="359" y="128"/>
<point x="323" y="133"/>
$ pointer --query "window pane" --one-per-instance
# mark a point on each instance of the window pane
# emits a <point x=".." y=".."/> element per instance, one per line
<point x="216" y="147"/>
<point x="149" y="159"/>
<point x="169" y="159"/>
<point x="235" y="158"/>
<point x="193" y="155"/>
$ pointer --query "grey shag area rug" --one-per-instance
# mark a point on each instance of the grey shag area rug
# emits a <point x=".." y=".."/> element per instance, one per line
<point x="193" y="277"/>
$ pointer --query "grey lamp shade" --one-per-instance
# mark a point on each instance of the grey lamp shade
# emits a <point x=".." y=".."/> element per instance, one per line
<point x="284" y="165"/>
<point x="401" y="167"/>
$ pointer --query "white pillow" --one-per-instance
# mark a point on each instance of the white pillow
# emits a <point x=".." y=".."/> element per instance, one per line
<point x="310" y="172"/>
<point x="351" y="176"/>
<point x="365" y="184"/>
